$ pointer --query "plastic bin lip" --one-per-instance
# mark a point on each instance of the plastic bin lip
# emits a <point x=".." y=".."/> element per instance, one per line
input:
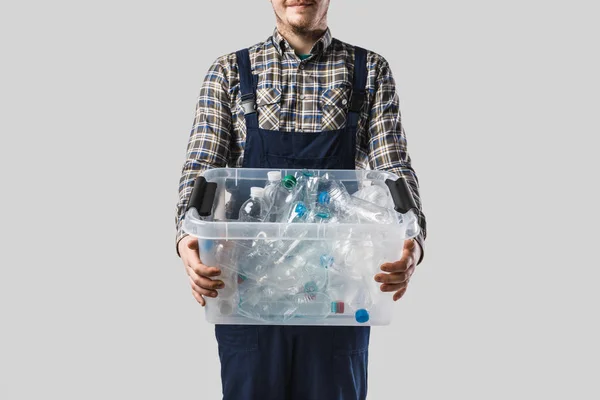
<point x="236" y="230"/>
<point x="261" y="173"/>
<point x="196" y="226"/>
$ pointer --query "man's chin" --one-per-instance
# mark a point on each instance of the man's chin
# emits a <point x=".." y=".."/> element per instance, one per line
<point x="300" y="26"/>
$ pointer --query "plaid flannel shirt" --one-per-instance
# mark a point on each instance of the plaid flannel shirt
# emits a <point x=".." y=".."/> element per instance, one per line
<point x="310" y="95"/>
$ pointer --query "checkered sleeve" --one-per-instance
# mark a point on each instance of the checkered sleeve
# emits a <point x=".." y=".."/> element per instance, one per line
<point x="209" y="141"/>
<point x="387" y="145"/>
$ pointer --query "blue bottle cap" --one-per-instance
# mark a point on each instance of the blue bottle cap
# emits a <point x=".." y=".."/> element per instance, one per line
<point x="310" y="287"/>
<point x="323" y="198"/>
<point x="326" y="261"/>
<point x="361" y="316"/>
<point x="300" y="209"/>
<point x="323" y="214"/>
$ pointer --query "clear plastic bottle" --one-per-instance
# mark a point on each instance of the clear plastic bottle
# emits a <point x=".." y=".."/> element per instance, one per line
<point x="321" y="214"/>
<point x="375" y="194"/>
<point x="361" y="303"/>
<point x="281" y="249"/>
<point x="307" y="188"/>
<point x="371" y="213"/>
<point x="274" y="181"/>
<point x="312" y="305"/>
<point x="278" y="195"/>
<point x="336" y="199"/>
<point x="350" y="296"/>
<point x="253" y="209"/>
<point x="298" y="212"/>
<point x="266" y="303"/>
<point x="353" y="209"/>
<point x="304" y="272"/>
<point x="286" y="274"/>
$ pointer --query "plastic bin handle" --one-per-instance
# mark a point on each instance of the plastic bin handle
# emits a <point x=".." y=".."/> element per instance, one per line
<point x="203" y="196"/>
<point x="401" y="194"/>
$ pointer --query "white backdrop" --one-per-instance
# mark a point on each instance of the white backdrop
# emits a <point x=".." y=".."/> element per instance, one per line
<point x="499" y="102"/>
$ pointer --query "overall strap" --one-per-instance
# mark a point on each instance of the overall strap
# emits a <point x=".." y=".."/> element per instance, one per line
<point x="358" y="86"/>
<point x="247" y="82"/>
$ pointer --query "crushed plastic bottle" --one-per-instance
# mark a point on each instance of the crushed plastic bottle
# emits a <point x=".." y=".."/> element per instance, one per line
<point x="248" y="262"/>
<point x="371" y="213"/>
<point x="312" y="305"/>
<point x="253" y="209"/>
<point x="265" y="303"/>
<point x="378" y="195"/>
<point x="298" y="213"/>
<point x="353" y="209"/>
<point x="361" y="303"/>
<point x="307" y="188"/>
<point x="278" y="195"/>
<point x="321" y="214"/>
<point x="335" y="198"/>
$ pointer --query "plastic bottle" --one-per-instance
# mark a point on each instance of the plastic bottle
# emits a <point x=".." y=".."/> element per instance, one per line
<point x="371" y="213"/>
<point x="286" y="274"/>
<point x="274" y="180"/>
<point x="253" y="209"/>
<point x="336" y="199"/>
<point x="278" y="194"/>
<point x="361" y="303"/>
<point x="298" y="212"/>
<point x="248" y="262"/>
<point x="313" y="305"/>
<point x="281" y="249"/>
<point x="265" y="303"/>
<point x="375" y="194"/>
<point x="268" y="304"/>
<point x="350" y="296"/>
<point x="302" y="273"/>
<point x="353" y="209"/>
<point x="322" y="215"/>
<point x="307" y="188"/>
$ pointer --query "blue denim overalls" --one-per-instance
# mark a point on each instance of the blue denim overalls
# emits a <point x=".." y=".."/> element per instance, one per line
<point x="276" y="362"/>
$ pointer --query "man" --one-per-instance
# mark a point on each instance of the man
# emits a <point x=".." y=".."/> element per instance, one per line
<point x="300" y="99"/>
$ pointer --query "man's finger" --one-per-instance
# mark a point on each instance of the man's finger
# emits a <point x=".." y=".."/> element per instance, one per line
<point x="393" y="287"/>
<point x="400" y="293"/>
<point x="192" y="258"/>
<point x="200" y="290"/>
<point x="203" y="270"/>
<point x="401" y="265"/>
<point x="204" y="282"/>
<point x="198" y="298"/>
<point x="395" y="277"/>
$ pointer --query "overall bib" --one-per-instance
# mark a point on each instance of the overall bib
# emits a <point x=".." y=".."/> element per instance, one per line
<point x="295" y="362"/>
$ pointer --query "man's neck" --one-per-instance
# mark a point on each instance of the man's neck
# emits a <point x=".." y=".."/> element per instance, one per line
<point x="301" y="42"/>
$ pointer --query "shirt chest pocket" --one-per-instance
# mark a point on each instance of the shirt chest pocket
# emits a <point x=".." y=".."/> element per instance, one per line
<point x="268" y="105"/>
<point x="333" y="103"/>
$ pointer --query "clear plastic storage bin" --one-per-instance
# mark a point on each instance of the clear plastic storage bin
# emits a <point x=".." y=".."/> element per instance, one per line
<point x="300" y="273"/>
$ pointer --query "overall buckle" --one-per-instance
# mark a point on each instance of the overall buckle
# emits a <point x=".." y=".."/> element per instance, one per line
<point x="357" y="100"/>
<point x="249" y="104"/>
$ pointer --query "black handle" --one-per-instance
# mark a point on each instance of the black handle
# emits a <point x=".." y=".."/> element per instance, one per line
<point x="401" y="194"/>
<point x="203" y="196"/>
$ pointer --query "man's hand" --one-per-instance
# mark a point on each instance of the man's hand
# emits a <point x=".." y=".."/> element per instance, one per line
<point x="199" y="274"/>
<point x="399" y="272"/>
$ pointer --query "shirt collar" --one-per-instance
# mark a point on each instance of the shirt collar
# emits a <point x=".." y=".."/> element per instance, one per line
<point x="282" y="45"/>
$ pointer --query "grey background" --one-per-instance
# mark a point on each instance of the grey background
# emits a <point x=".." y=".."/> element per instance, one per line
<point x="499" y="102"/>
